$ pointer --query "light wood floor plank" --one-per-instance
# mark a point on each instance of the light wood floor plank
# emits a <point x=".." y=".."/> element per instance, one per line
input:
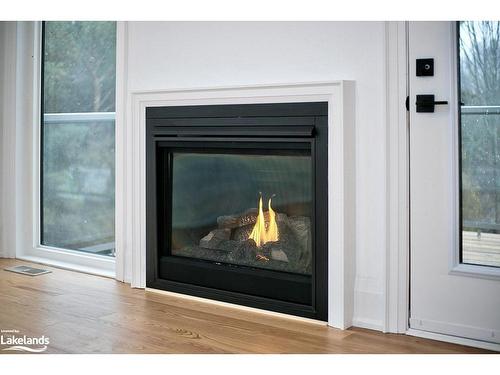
<point x="88" y="314"/>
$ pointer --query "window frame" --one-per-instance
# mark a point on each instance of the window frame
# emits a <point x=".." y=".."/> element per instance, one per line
<point x="457" y="266"/>
<point x="31" y="45"/>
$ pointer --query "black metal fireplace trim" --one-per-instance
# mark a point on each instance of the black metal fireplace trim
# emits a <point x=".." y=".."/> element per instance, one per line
<point x="307" y="109"/>
<point x="284" y="123"/>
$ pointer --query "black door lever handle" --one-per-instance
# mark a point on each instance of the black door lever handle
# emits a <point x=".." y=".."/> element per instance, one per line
<point x="426" y="103"/>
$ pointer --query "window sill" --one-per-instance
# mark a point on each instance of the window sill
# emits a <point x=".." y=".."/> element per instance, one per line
<point x="107" y="271"/>
<point x="472" y="270"/>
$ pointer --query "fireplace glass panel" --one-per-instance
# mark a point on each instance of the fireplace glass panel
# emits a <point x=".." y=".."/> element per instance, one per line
<point x="243" y="209"/>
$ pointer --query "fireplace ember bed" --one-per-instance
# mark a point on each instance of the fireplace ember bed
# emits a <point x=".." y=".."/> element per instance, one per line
<point x="236" y="201"/>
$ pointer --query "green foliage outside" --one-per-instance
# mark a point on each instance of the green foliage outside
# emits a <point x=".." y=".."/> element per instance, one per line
<point x="79" y="67"/>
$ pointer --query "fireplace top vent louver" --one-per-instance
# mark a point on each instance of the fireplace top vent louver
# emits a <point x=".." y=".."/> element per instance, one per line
<point x="296" y="120"/>
<point x="239" y="111"/>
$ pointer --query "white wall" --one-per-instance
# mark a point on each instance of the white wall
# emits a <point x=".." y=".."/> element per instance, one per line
<point x="176" y="55"/>
<point x="7" y="149"/>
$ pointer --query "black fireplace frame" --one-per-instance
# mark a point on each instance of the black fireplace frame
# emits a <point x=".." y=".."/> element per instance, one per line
<point x="248" y="128"/>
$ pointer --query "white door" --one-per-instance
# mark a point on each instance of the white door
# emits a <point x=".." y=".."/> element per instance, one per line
<point x="455" y="180"/>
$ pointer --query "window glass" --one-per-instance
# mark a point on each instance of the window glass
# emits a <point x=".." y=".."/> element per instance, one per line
<point x="78" y="136"/>
<point x="479" y="55"/>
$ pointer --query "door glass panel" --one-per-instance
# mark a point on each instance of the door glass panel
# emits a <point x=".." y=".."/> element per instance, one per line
<point x="479" y="55"/>
<point x="78" y="136"/>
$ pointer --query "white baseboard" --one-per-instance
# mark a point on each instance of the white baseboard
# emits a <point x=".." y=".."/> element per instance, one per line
<point x="368" y="324"/>
<point x="459" y="330"/>
<point x="368" y="305"/>
<point x="454" y="339"/>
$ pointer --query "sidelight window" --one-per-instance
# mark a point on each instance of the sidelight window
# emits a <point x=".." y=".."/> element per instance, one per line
<point x="78" y="136"/>
<point x="479" y="59"/>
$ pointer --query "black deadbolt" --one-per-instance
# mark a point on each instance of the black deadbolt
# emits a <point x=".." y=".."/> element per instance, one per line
<point x="425" y="67"/>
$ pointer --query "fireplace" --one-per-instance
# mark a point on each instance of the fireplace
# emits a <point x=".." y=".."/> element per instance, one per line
<point x="236" y="203"/>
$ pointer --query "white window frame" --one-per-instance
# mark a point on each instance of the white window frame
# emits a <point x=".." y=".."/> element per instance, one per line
<point x="455" y="266"/>
<point x="28" y="193"/>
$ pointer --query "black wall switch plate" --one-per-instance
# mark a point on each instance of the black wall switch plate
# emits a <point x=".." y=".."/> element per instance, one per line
<point x="425" y="67"/>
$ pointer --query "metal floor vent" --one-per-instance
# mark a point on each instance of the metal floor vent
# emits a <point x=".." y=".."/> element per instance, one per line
<point x="25" y="270"/>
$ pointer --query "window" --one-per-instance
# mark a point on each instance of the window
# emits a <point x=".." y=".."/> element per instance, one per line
<point x="78" y="136"/>
<point x="479" y="56"/>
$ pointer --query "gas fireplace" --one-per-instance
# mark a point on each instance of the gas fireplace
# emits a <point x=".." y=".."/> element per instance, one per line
<point x="237" y="204"/>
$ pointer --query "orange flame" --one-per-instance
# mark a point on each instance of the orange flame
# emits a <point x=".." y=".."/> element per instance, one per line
<point x="260" y="234"/>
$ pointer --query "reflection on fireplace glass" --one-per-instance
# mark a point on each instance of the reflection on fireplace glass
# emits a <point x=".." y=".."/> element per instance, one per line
<point x="243" y="209"/>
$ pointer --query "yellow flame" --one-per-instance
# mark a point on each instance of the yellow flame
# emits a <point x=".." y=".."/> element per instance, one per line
<point x="260" y="234"/>
<point x="272" y="229"/>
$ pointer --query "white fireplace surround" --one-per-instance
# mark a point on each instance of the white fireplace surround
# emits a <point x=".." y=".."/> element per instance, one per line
<point x="130" y="174"/>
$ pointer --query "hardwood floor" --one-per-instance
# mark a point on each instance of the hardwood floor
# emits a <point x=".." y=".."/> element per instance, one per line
<point x="88" y="314"/>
